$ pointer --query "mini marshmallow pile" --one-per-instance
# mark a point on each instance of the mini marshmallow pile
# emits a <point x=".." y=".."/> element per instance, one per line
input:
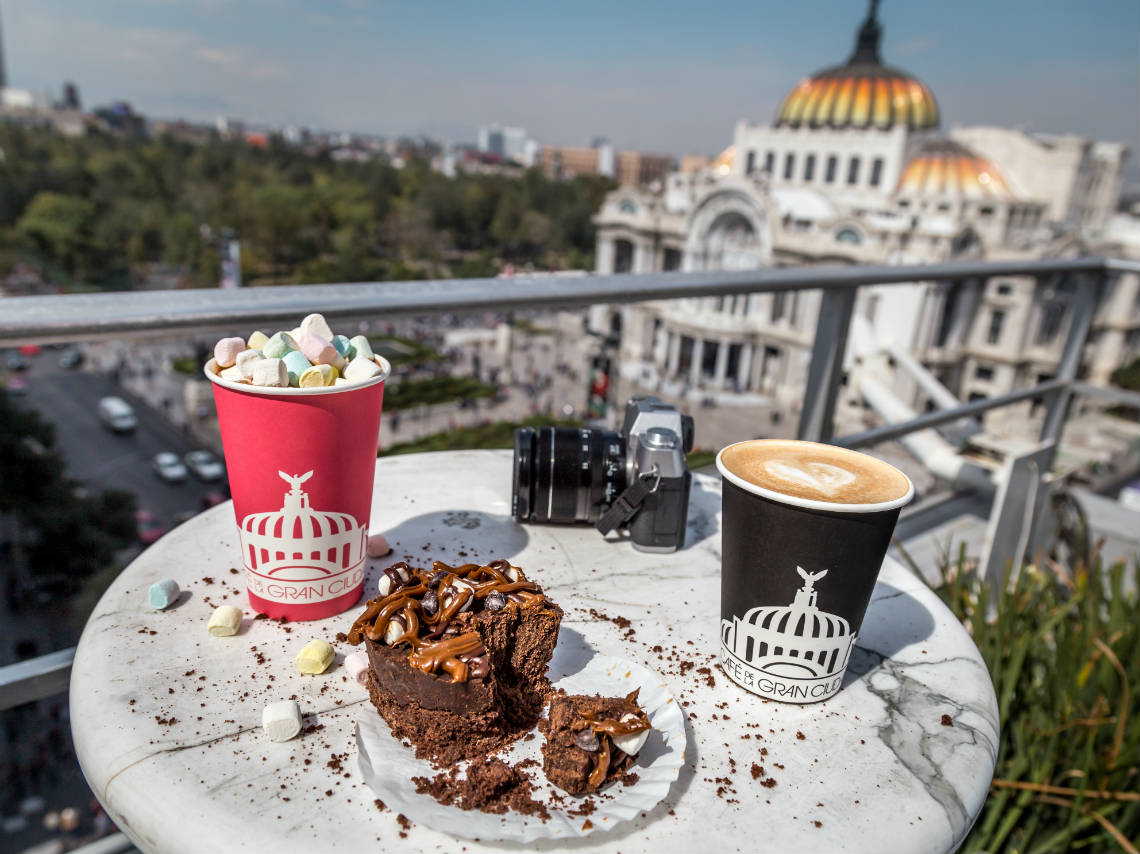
<point x="310" y="356"/>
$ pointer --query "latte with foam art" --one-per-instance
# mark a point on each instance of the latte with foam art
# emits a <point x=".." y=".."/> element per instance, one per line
<point x="815" y="472"/>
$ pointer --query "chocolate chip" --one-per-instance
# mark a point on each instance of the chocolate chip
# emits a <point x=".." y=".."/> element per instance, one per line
<point x="430" y="603"/>
<point x="436" y="578"/>
<point x="495" y="601"/>
<point x="587" y="740"/>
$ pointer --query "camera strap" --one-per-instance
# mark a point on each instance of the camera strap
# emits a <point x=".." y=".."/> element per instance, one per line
<point x="630" y="501"/>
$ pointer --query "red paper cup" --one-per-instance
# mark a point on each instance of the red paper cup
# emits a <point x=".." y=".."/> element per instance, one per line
<point x="301" y="464"/>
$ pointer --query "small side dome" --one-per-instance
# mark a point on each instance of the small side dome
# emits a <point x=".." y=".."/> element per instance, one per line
<point x="947" y="168"/>
<point x="723" y="163"/>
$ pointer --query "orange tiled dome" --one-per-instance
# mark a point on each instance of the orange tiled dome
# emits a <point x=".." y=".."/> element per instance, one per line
<point x="947" y="168"/>
<point x="862" y="93"/>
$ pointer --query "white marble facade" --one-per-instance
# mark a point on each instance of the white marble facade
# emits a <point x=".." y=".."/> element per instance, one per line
<point x="895" y="191"/>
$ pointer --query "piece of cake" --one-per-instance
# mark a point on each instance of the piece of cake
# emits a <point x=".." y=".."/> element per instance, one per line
<point x="458" y="655"/>
<point x="591" y="741"/>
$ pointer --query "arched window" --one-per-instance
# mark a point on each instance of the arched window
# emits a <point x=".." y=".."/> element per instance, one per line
<point x="848" y="235"/>
<point x="623" y="256"/>
<point x="789" y="165"/>
<point x="628" y="206"/>
<point x="809" y="168"/>
<point x="832" y="168"/>
<point x="853" y="171"/>
<point x="876" y="171"/>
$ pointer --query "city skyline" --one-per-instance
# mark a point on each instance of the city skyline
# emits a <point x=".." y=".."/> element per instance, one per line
<point x="652" y="78"/>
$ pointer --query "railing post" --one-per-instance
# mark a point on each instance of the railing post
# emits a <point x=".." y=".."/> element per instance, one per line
<point x="818" y="415"/>
<point x="1088" y="294"/>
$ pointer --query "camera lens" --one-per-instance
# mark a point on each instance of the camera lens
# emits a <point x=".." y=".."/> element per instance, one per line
<point x="522" y="485"/>
<point x="563" y="474"/>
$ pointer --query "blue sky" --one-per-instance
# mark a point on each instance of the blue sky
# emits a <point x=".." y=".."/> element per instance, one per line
<point x="659" y="76"/>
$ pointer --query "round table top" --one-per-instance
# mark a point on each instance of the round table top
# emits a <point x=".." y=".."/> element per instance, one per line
<point x="167" y="719"/>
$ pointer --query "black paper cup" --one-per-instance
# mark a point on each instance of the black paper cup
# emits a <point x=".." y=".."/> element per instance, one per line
<point x="796" y="577"/>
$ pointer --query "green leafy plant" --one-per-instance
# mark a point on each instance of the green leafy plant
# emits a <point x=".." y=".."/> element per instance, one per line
<point x="1063" y="648"/>
<point x="497" y="435"/>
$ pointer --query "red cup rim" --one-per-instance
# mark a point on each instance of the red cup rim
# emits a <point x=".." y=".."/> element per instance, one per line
<point x="212" y="375"/>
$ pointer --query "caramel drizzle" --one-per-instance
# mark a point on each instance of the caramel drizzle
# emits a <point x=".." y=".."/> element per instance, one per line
<point x="427" y="652"/>
<point x="612" y="728"/>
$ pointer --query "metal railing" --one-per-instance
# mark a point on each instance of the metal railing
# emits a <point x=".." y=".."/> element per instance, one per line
<point x="149" y="314"/>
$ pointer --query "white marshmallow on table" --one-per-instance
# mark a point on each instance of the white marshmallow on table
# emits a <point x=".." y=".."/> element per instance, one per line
<point x="357" y="667"/>
<point x="245" y="361"/>
<point x="362" y="368"/>
<point x="315" y="324"/>
<point x="225" y="621"/>
<point x="633" y="742"/>
<point x="271" y="373"/>
<point x="281" y="721"/>
<point x="378" y="546"/>
<point x="226" y="350"/>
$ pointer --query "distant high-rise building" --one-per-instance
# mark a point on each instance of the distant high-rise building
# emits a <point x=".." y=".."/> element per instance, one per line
<point x="70" y="97"/>
<point x="3" y="72"/>
<point x="628" y="167"/>
<point x="506" y="142"/>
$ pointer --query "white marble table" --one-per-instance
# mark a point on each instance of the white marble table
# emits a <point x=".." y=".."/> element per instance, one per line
<point x="166" y="719"/>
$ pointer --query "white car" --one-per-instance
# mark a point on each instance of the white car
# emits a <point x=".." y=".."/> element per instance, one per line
<point x="204" y="465"/>
<point x="168" y="467"/>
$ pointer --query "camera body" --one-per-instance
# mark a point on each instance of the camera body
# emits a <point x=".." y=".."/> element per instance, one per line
<point x="637" y="477"/>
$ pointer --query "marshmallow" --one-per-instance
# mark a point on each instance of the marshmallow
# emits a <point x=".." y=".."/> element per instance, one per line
<point x="296" y="364"/>
<point x="234" y="374"/>
<point x="384" y="585"/>
<point x="257" y="340"/>
<point x="361" y="368"/>
<point x="225" y="621"/>
<point x="378" y="546"/>
<point x="361" y="346"/>
<point x="226" y="350"/>
<point x="513" y="573"/>
<point x="277" y="346"/>
<point x="317" y="376"/>
<point x="455" y="589"/>
<point x="315" y="657"/>
<point x="296" y="333"/>
<point x="270" y="372"/>
<point x="162" y="594"/>
<point x="357" y="667"/>
<point x="320" y="351"/>
<point x="343" y="346"/>
<point x="341" y="381"/>
<point x="633" y="742"/>
<point x="394" y="631"/>
<point x="281" y="721"/>
<point x="315" y="324"/>
<point x="245" y="361"/>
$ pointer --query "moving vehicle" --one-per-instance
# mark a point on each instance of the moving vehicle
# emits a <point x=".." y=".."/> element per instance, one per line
<point x="71" y="358"/>
<point x="117" y="415"/>
<point x="168" y="467"/>
<point x="149" y="528"/>
<point x="204" y="465"/>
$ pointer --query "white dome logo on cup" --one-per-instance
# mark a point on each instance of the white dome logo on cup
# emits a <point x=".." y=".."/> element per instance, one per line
<point x="825" y="477"/>
<point x="299" y="553"/>
<point x="793" y="651"/>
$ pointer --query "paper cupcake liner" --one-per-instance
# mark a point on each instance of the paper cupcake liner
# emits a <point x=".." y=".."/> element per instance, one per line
<point x="388" y="766"/>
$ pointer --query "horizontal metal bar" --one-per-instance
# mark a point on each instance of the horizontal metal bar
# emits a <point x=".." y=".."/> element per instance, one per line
<point x="1121" y="265"/>
<point x="932" y="419"/>
<point x="137" y="314"/>
<point x="35" y="679"/>
<point x="1117" y="395"/>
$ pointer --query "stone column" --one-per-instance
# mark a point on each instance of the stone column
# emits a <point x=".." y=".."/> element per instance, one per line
<point x="661" y="347"/>
<point x="1108" y="352"/>
<point x="674" y="354"/>
<point x="643" y="257"/>
<point x="698" y="357"/>
<point x="604" y="262"/>
<point x="744" y="367"/>
<point x="721" y="364"/>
